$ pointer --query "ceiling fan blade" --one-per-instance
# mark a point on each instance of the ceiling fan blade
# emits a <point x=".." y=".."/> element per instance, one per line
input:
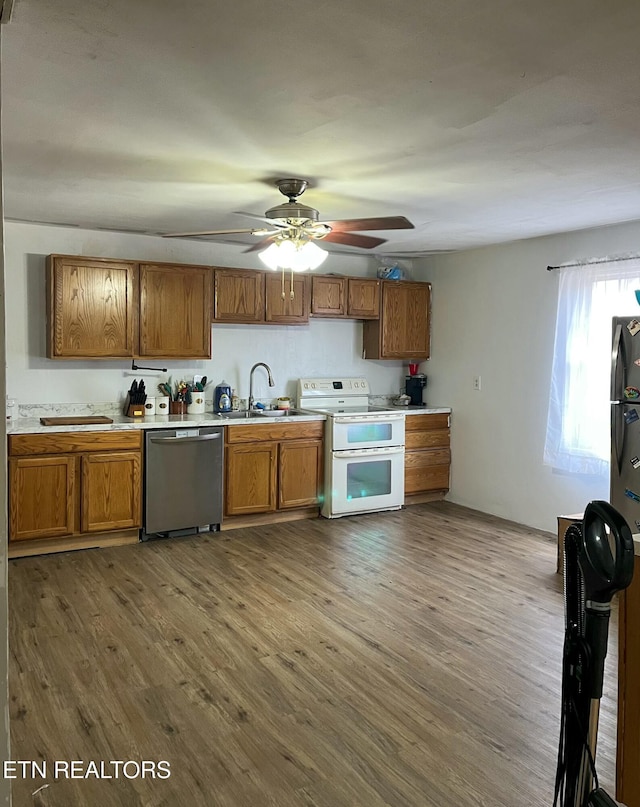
<point x="272" y="222"/>
<point x="262" y="243"/>
<point x="353" y="240"/>
<point x="381" y="223"/>
<point x="208" y="232"/>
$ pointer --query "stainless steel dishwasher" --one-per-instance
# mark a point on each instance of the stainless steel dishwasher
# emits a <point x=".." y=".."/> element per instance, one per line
<point x="183" y="480"/>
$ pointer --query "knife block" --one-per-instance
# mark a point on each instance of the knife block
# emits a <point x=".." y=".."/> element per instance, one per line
<point x="133" y="410"/>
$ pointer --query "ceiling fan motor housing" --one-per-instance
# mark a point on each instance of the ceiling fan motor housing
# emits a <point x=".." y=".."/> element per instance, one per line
<point x="292" y="210"/>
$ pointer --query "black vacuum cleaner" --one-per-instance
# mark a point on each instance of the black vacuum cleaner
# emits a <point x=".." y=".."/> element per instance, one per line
<point x="598" y="562"/>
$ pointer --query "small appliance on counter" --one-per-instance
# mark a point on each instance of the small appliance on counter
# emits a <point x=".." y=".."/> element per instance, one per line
<point x="414" y="383"/>
<point x="222" y="398"/>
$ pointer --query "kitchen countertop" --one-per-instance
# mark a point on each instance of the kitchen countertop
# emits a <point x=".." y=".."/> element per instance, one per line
<point x="24" y="425"/>
<point x="33" y="425"/>
<point x="423" y="410"/>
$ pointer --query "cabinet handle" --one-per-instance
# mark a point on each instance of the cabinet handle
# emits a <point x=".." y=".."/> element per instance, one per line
<point x="199" y="439"/>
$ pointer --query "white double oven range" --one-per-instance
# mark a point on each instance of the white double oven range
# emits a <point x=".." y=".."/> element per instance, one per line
<point x="364" y="446"/>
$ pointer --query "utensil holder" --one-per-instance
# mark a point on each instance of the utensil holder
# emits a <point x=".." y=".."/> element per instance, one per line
<point x="177" y="408"/>
<point x="196" y="407"/>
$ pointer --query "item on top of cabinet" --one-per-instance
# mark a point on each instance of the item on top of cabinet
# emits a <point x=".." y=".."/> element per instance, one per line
<point x="135" y="400"/>
<point x="414" y="384"/>
<point x="222" y="398"/>
<point x="402" y="400"/>
<point x="196" y="407"/>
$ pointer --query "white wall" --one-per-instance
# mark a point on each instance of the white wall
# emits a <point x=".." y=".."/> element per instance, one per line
<point x="494" y="315"/>
<point x="324" y="347"/>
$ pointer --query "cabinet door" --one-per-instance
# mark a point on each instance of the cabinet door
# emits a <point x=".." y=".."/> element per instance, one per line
<point x="42" y="497"/>
<point x="363" y="298"/>
<point x="175" y="311"/>
<point x="238" y="295"/>
<point x="426" y="470"/>
<point x="403" y="330"/>
<point x="91" y="308"/>
<point x="286" y="310"/>
<point x="111" y="497"/>
<point x="299" y="473"/>
<point x="250" y="478"/>
<point x="328" y="296"/>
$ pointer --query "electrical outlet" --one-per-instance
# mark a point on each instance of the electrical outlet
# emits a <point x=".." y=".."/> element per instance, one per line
<point x="477" y="382"/>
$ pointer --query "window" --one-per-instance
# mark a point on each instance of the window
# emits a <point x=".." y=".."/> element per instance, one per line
<point x="589" y="296"/>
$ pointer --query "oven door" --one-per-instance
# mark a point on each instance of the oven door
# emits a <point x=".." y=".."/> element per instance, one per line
<point x="366" y="431"/>
<point x="365" y="480"/>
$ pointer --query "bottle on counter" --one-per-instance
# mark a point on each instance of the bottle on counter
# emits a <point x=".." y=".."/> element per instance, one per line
<point x="235" y="401"/>
<point x="222" y="398"/>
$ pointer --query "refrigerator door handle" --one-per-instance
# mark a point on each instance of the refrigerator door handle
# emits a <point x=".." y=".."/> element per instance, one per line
<point x="618" y="365"/>
<point x="617" y="433"/>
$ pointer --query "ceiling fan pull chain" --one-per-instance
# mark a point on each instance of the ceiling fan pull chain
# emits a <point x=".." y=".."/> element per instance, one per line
<point x="283" y="294"/>
<point x="291" y="285"/>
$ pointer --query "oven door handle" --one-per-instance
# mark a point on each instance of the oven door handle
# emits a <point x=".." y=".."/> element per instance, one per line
<point x="368" y="452"/>
<point x="393" y="418"/>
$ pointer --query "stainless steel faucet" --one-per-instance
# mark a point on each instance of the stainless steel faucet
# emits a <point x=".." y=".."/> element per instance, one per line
<point x="271" y="382"/>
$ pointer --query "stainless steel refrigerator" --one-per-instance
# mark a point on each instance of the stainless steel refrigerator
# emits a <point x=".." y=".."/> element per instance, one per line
<point x="625" y="420"/>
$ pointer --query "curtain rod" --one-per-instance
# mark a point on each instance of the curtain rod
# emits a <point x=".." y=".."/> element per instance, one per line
<point x="593" y="263"/>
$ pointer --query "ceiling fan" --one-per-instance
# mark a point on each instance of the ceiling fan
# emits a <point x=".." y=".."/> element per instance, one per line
<point x="294" y="221"/>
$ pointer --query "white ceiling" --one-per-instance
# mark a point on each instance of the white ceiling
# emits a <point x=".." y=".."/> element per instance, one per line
<point x="481" y="122"/>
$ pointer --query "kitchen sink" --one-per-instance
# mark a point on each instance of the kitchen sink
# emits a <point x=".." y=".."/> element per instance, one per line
<point x="260" y="413"/>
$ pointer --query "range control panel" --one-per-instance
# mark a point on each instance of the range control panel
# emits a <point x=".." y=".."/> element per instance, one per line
<point x="330" y="387"/>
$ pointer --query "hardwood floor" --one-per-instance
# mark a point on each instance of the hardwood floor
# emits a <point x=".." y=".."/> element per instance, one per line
<point x="409" y="659"/>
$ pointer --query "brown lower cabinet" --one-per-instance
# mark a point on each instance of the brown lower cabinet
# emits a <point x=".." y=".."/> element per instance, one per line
<point x="272" y="466"/>
<point x="427" y="459"/>
<point x="67" y="489"/>
<point x="628" y="746"/>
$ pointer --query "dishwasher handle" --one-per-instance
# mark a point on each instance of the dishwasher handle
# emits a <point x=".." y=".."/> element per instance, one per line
<point x="200" y="439"/>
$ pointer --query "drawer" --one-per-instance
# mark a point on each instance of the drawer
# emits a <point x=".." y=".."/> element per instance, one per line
<point x="257" y="432"/>
<point x="414" y="423"/>
<point x="425" y="459"/>
<point x="420" y="479"/>
<point x="73" y="442"/>
<point x="432" y="439"/>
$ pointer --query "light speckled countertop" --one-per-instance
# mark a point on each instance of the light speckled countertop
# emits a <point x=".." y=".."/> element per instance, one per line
<point x="33" y="425"/>
<point x="423" y="410"/>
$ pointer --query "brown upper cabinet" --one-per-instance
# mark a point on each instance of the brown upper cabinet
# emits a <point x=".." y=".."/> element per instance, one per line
<point x="104" y="309"/>
<point x="175" y="306"/>
<point x="363" y="299"/>
<point x="91" y="308"/>
<point x="403" y="330"/>
<point x="251" y="295"/>
<point x="345" y="297"/>
<point x="280" y="307"/>
<point x="238" y="295"/>
<point x="328" y="296"/>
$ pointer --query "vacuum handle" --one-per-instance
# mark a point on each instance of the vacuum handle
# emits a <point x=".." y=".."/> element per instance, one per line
<point x="606" y="559"/>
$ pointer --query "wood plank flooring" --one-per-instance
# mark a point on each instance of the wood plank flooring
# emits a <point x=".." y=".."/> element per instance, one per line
<point x="406" y="659"/>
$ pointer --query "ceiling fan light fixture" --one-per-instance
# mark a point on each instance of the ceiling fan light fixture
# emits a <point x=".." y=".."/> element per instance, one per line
<point x="297" y="256"/>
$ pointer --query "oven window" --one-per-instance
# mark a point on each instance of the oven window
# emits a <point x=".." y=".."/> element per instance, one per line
<point x="369" y="433"/>
<point x="366" y="479"/>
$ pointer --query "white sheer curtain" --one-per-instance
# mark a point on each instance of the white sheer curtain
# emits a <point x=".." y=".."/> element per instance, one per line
<point x="578" y="439"/>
